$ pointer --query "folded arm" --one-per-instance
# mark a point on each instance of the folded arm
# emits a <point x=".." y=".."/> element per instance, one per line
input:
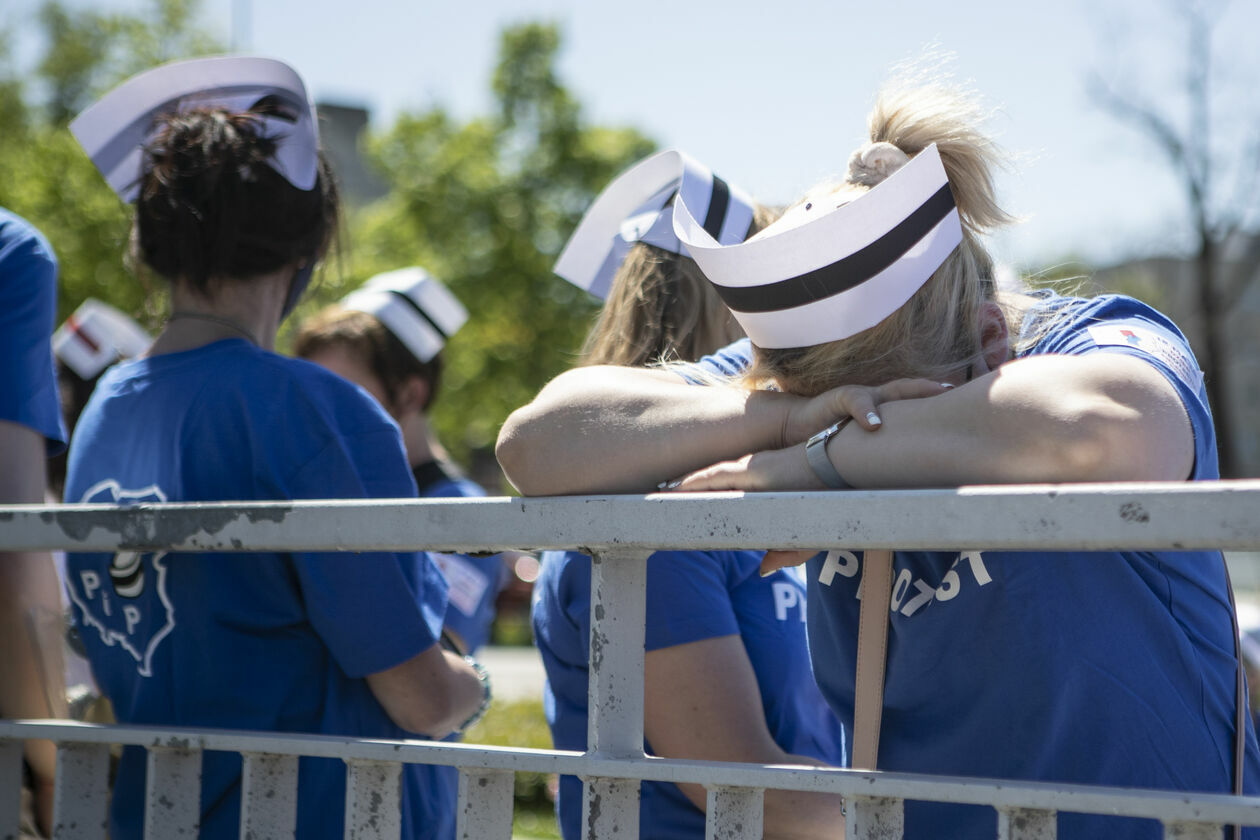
<point x="624" y="430"/>
<point x="1097" y="417"/>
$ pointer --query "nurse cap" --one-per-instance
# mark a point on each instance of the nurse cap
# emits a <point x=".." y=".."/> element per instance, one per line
<point x="638" y="207"/>
<point x="95" y="336"/>
<point x="414" y="306"/>
<point x="115" y="130"/>
<point x="824" y="272"/>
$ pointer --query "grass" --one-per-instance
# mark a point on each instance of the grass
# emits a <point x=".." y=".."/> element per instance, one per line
<point x="520" y="723"/>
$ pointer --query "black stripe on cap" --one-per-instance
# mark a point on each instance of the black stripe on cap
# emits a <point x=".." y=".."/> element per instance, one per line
<point x="846" y="272"/>
<point x="719" y="201"/>
<point x="419" y="310"/>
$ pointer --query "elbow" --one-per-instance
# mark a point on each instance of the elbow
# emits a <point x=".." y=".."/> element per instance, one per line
<point x="517" y="456"/>
<point x="1114" y="441"/>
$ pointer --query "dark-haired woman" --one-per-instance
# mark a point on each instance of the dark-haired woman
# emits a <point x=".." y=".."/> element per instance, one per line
<point x="233" y="208"/>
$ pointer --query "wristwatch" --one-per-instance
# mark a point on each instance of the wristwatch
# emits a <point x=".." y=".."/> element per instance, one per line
<point x="816" y="454"/>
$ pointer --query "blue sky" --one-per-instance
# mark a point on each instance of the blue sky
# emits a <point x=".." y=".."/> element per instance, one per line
<point x="774" y="95"/>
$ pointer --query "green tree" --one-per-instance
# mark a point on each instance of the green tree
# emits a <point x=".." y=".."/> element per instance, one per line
<point x="486" y="206"/>
<point x="47" y="178"/>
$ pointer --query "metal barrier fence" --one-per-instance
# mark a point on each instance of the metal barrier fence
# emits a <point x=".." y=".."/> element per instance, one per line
<point x="619" y="531"/>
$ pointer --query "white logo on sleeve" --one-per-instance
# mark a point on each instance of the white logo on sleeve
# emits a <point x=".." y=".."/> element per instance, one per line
<point x="128" y="606"/>
<point x="1152" y="343"/>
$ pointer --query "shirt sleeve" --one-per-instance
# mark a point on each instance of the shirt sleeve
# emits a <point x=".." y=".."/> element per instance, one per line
<point x="687" y="599"/>
<point x="1117" y="324"/>
<point x="28" y="304"/>
<point x="373" y="610"/>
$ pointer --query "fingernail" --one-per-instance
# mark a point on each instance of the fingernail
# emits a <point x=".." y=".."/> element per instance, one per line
<point x="947" y="386"/>
<point x="673" y="485"/>
<point x="873" y="419"/>
<point x="663" y="485"/>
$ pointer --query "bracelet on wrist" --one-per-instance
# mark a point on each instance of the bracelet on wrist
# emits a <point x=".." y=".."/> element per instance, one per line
<point x="484" y="676"/>
<point x="820" y="463"/>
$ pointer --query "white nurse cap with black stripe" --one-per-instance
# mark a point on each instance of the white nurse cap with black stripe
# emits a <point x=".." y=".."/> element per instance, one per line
<point x="95" y="336"/>
<point x="823" y="271"/>
<point x="638" y="207"/>
<point x="115" y="130"/>
<point x="414" y="306"/>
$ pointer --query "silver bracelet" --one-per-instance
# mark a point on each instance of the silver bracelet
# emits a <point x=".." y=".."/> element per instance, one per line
<point x="484" y="676"/>
<point x="816" y="454"/>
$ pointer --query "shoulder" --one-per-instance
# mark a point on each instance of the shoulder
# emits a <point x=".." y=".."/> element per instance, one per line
<point x="319" y="435"/>
<point x="1111" y="323"/>
<point x="22" y="243"/>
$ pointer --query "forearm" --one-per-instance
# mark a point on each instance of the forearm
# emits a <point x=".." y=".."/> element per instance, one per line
<point x="1043" y="419"/>
<point x="32" y="677"/>
<point x="32" y="682"/>
<point x="620" y="430"/>
<point x="432" y="693"/>
<point x="790" y="814"/>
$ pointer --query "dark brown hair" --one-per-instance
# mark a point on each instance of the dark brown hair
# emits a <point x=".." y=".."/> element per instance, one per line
<point x="365" y="336"/>
<point x="211" y="208"/>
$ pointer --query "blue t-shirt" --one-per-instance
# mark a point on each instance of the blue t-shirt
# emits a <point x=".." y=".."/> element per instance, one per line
<point x="1111" y="668"/>
<point x="690" y="596"/>
<point x="28" y="311"/>
<point x="473" y="582"/>
<point x="273" y="641"/>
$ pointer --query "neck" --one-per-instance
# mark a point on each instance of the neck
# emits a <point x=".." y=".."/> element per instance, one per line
<point x="248" y="309"/>
<point x="421" y="443"/>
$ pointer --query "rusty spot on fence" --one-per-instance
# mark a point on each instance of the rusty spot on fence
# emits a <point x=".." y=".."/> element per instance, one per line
<point x="1134" y="512"/>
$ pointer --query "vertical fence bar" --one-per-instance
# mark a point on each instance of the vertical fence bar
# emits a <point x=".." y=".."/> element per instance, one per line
<point x="874" y="818"/>
<point x="1176" y="830"/>
<point x="172" y="794"/>
<point x="10" y="787"/>
<point x="373" y="800"/>
<point x="733" y="813"/>
<point x="610" y="807"/>
<point x="81" y="800"/>
<point x="268" y="796"/>
<point x="485" y="804"/>
<point x="1027" y="824"/>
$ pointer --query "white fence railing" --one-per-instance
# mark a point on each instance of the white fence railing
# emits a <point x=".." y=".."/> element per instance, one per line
<point x="619" y="531"/>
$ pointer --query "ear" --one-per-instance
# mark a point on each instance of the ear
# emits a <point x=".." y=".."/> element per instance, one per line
<point x="995" y="344"/>
<point x="411" y="396"/>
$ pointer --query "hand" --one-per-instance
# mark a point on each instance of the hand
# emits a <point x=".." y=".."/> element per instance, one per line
<point x="781" y="469"/>
<point x="856" y="401"/>
<point x="774" y="469"/>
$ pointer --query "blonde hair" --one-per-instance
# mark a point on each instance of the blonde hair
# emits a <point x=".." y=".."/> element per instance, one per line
<point x="935" y="333"/>
<point x="661" y="309"/>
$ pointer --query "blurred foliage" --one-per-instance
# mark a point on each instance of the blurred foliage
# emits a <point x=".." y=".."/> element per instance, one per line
<point x="486" y="205"/>
<point x="46" y="177"/>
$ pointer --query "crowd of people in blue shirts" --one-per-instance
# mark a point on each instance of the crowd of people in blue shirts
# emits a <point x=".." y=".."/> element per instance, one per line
<point x="856" y="339"/>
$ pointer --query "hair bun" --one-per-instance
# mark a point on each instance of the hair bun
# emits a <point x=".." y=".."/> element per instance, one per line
<point x="874" y="162"/>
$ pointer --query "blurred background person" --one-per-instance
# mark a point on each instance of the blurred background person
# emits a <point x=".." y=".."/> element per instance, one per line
<point x="726" y="674"/>
<point x="387" y="338"/>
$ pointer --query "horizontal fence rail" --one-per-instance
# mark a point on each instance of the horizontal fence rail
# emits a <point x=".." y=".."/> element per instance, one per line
<point x="1176" y="515"/>
<point x="619" y="531"/>
<point x="1003" y="794"/>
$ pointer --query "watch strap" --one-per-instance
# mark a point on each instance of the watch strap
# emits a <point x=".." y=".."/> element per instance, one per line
<point x="816" y="454"/>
